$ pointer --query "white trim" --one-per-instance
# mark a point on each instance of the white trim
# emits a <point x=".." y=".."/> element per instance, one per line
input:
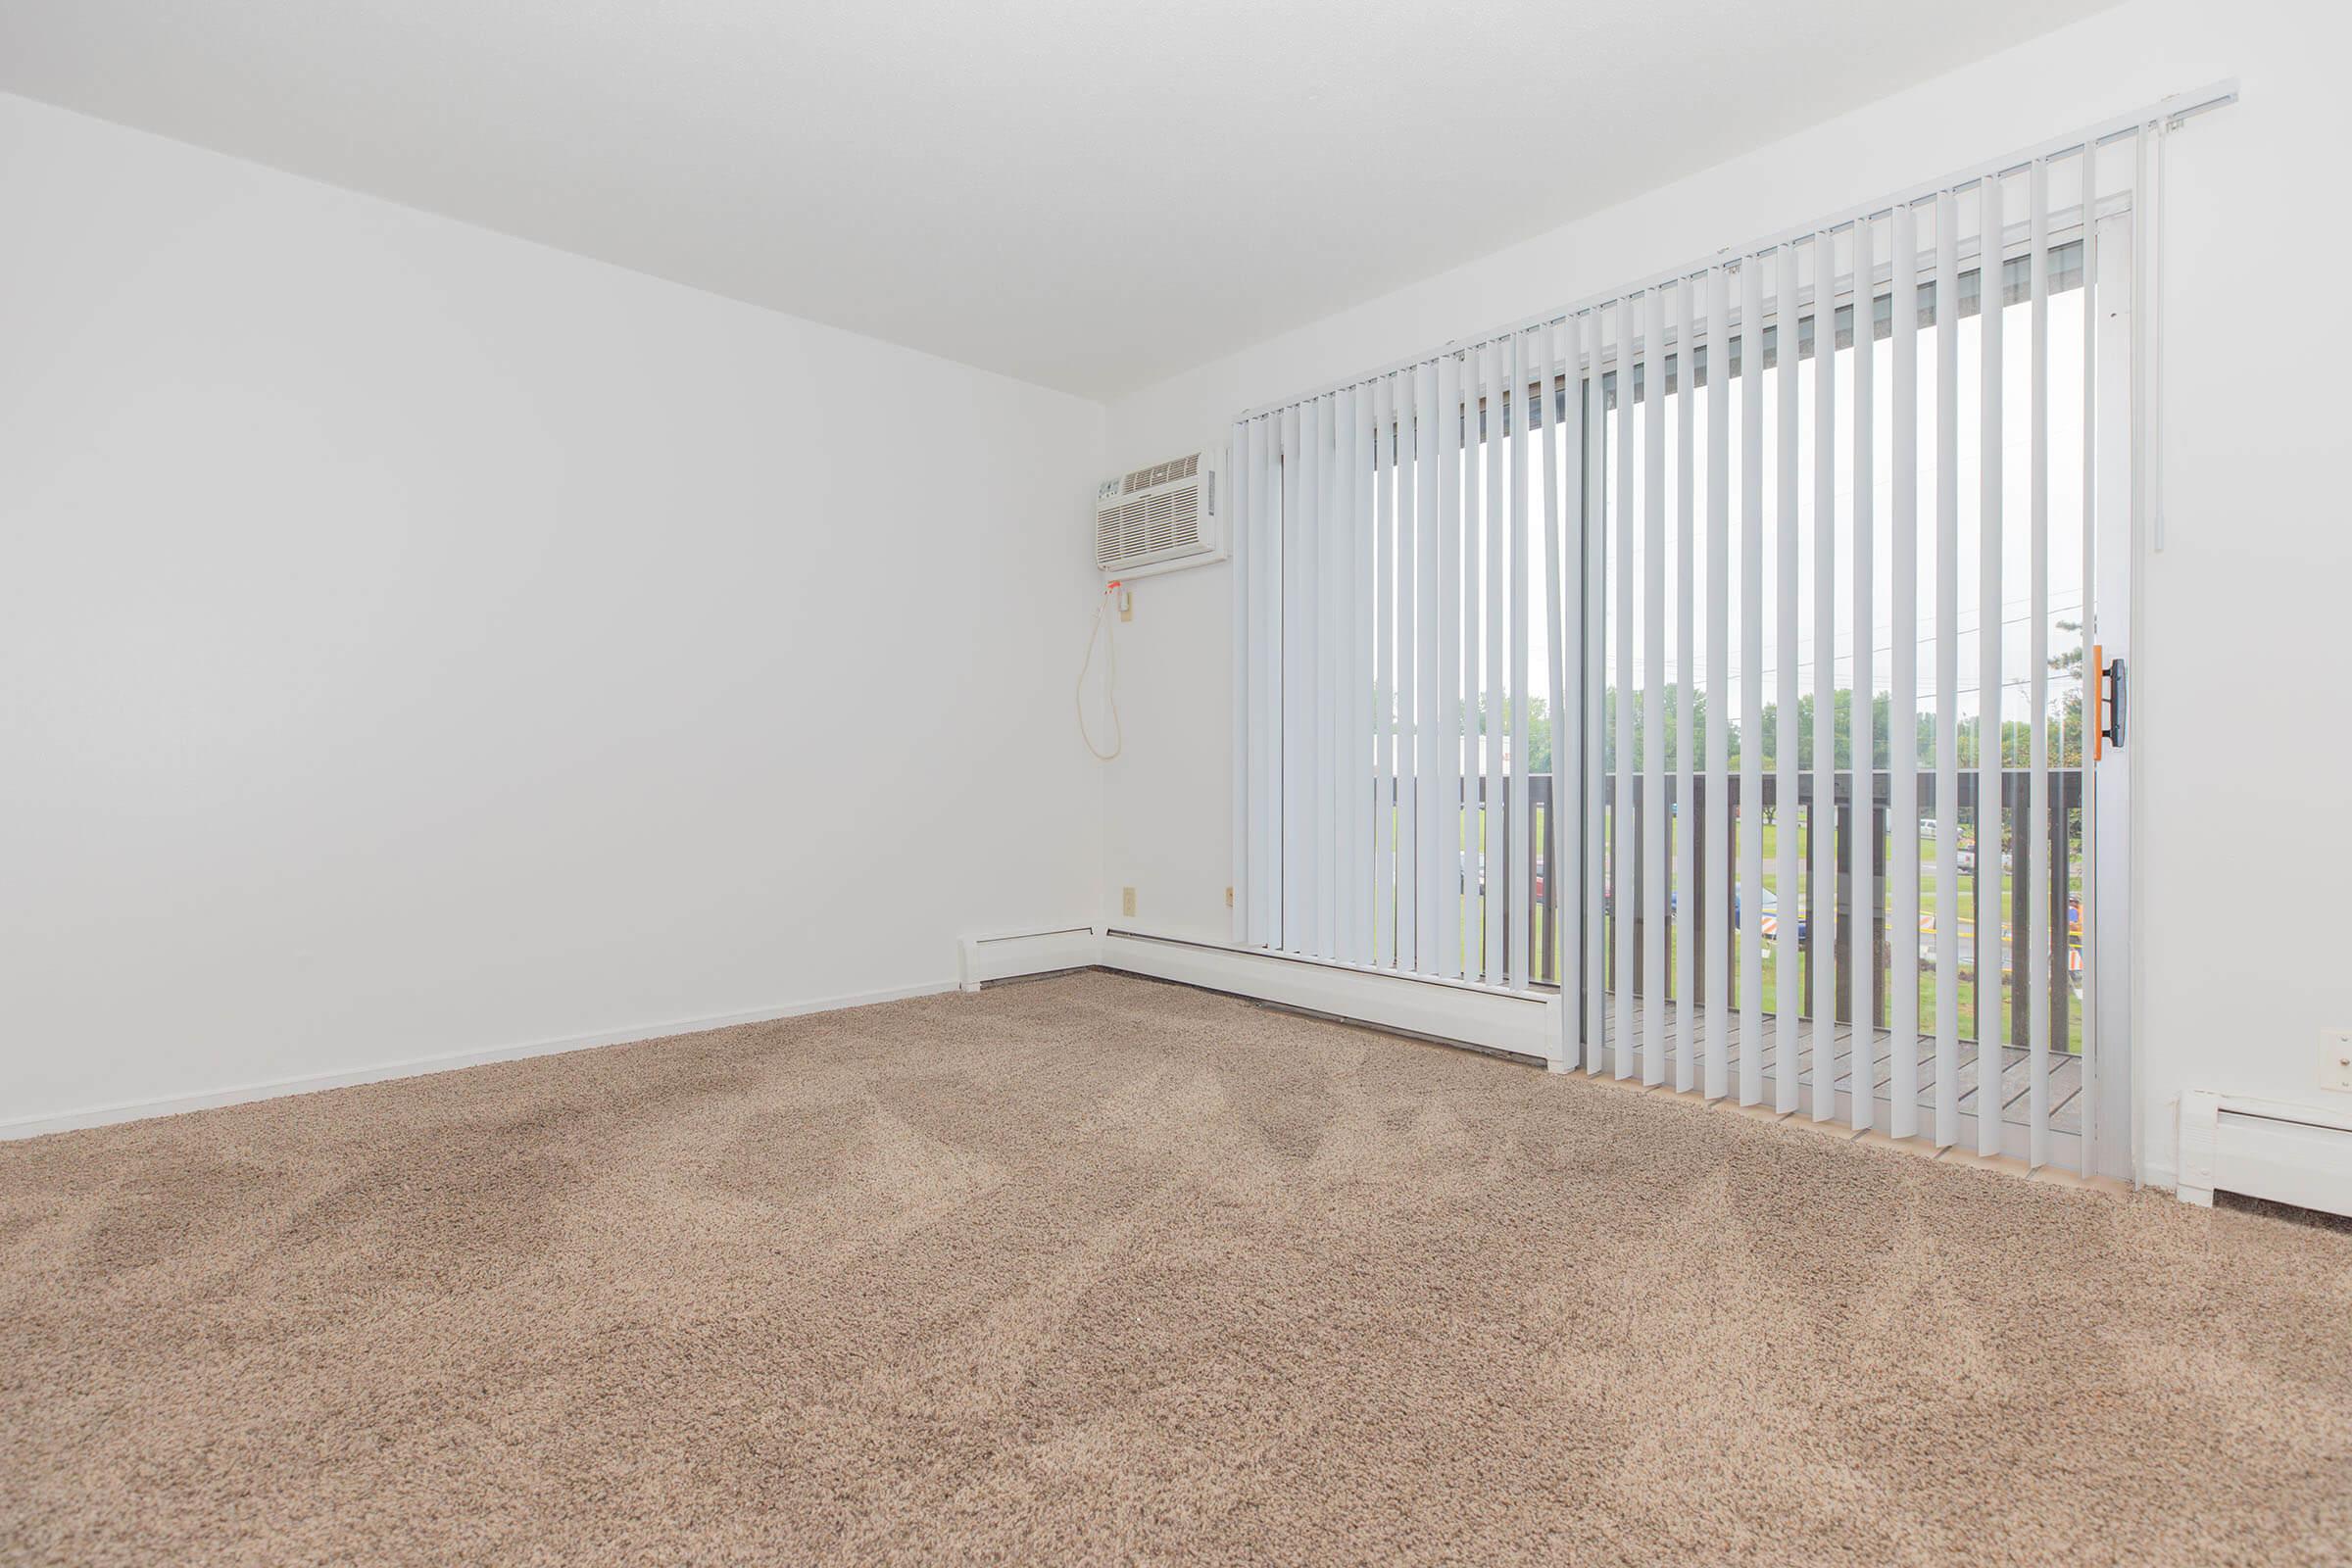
<point x="447" y="1062"/>
<point x="1522" y="1023"/>
<point x="1011" y="955"/>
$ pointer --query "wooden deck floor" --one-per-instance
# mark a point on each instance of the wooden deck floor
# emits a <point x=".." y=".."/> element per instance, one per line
<point x="2013" y="1082"/>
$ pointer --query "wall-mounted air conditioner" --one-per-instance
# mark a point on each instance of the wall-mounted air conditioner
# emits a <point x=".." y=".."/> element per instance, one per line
<point x="1160" y="518"/>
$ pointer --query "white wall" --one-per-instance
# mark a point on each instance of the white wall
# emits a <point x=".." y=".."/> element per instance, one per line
<point x="416" y="641"/>
<point x="2240" y="745"/>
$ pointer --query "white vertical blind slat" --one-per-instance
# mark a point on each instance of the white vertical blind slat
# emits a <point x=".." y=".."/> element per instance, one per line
<point x="1570" y="756"/>
<point x="1558" y="843"/>
<point x="1948" y="672"/>
<point x="1246" y="659"/>
<point x="1364" y="695"/>
<point x="1902" y="701"/>
<point x="1751" y="917"/>
<point x="1650" y="909"/>
<point x="2037" y="829"/>
<point x="1474" y="673"/>
<point x="1380" y="928"/>
<point x="1718" y="870"/>
<point x="1787" y="949"/>
<point x="1516" y="953"/>
<point x="1347" y="863"/>
<point x="1343" y="862"/>
<point x="1594" y="449"/>
<point x="1627" y="882"/>
<point x="1334" y="691"/>
<point x="1306" y="823"/>
<point x="1862" y="835"/>
<point x="1444" y="865"/>
<point x="1347" y="767"/>
<point x="1429" y="701"/>
<point x="1408" y="577"/>
<point x="1266" y="452"/>
<point x="1684" y="912"/>
<point x="1251" y="658"/>
<point x="2088" y="1094"/>
<point x="1991" y="1014"/>
<point x="1247" y="474"/>
<point x="1297" y="643"/>
<point x="1821" y="932"/>
<point x="1492" y="693"/>
<point x="1354" y="779"/>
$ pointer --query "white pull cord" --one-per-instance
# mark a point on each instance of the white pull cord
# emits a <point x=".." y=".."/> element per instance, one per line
<point x="1111" y="678"/>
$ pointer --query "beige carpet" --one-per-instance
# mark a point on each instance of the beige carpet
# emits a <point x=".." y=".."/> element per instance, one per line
<point x="1097" y="1270"/>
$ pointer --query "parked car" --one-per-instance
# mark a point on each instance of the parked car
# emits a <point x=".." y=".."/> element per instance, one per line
<point x="1771" y="916"/>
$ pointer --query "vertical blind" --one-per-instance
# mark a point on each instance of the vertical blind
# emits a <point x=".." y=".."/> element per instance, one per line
<point x="1717" y="651"/>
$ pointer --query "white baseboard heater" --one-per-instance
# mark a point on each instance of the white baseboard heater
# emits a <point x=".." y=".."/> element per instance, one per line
<point x="2265" y="1148"/>
<point x="1518" y="1023"/>
<point x="1012" y="954"/>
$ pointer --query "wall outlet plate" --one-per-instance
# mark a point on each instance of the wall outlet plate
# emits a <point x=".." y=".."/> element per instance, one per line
<point x="2335" y="1059"/>
<point x="1127" y="901"/>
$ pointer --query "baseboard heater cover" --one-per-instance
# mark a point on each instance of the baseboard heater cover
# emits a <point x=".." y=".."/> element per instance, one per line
<point x="2265" y="1148"/>
<point x="1014" y="955"/>
<point x="1519" y="1023"/>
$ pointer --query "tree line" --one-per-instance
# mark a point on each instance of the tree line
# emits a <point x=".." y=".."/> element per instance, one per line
<point x="2016" y="735"/>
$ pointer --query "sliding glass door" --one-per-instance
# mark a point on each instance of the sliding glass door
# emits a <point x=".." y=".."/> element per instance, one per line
<point x="1842" y="562"/>
<point x="1726" y="653"/>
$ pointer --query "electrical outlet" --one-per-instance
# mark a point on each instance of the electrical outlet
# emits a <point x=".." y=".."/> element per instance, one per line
<point x="1126" y="604"/>
<point x="1127" y="901"/>
<point x="1228" y="897"/>
<point x="2335" y="1059"/>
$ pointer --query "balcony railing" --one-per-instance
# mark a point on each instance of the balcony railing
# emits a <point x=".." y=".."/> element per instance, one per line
<point x="1982" y="983"/>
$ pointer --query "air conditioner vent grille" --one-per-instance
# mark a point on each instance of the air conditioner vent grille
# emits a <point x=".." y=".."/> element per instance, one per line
<point x="1149" y="524"/>
<point x="1184" y="467"/>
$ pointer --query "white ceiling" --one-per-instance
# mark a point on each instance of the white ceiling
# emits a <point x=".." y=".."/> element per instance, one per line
<point x="1083" y="193"/>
